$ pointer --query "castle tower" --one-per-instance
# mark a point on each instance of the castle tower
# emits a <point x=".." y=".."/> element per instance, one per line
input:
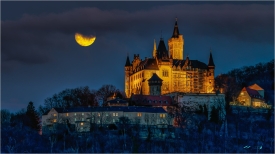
<point x="128" y="69"/>
<point x="211" y="73"/>
<point x="155" y="84"/>
<point x="176" y="43"/>
<point x="162" y="52"/>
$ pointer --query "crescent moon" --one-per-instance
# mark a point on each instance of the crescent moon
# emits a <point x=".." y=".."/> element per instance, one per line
<point x="84" y="40"/>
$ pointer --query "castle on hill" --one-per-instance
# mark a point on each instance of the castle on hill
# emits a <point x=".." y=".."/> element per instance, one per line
<point x="172" y="71"/>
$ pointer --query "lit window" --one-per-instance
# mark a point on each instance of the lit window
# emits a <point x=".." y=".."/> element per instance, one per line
<point x="98" y="121"/>
<point x="116" y="114"/>
<point x="88" y="119"/>
<point x="139" y="114"/>
<point x="82" y="113"/>
<point x="81" y="123"/>
<point x="106" y="114"/>
<point x="165" y="73"/>
<point x="67" y="114"/>
<point x="162" y="115"/>
<point x="54" y="120"/>
<point x="54" y="114"/>
<point x="98" y="114"/>
<point x="75" y="114"/>
<point x="241" y="93"/>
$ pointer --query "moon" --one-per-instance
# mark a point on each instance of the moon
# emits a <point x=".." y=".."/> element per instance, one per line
<point x="83" y="40"/>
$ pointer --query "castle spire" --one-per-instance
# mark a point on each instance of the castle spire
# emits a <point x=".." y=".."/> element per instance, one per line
<point x="176" y="30"/>
<point x="211" y="62"/>
<point x="155" y="49"/>
<point x="127" y="61"/>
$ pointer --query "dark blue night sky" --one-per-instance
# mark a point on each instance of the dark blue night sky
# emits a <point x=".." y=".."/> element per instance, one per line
<point x="39" y="56"/>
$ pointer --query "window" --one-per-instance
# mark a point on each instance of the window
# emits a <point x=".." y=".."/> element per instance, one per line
<point x="126" y="115"/>
<point x="74" y="119"/>
<point x="242" y="93"/>
<point x="82" y="113"/>
<point x="81" y="123"/>
<point x="165" y="73"/>
<point x="98" y="121"/>
<point x="106" y="114"/>
<point x="82" y="119"/>
<point x="67" y="114"/>
<point x="162" y="115"/>
<point x="115" y="114"/>
<point x="54" y="120"/>
<point x="139" y="114"/>
<point x="98" y="114"/>
<point x="88" y="119"/>
<point x="114" y="120"/>
<point x="54" y="114"/>
<point x="75" y="114"/>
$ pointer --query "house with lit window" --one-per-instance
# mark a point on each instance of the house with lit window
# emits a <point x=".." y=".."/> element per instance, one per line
<point x="83" y="117"/>
<point x="252" y="96"/>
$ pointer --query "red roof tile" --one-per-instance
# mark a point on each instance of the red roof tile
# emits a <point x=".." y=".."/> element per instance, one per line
<point x="151" y="100"/>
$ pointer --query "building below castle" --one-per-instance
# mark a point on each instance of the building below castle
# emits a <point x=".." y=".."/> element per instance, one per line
<point x="175" y="73"/>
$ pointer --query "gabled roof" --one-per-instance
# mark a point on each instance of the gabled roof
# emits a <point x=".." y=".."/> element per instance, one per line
<point x="152" y="100"/>
<point x="149" y="63"/>
<point x="192" y="63"/>
<point x="253" y="93"/>
<point x="255" y="87"/>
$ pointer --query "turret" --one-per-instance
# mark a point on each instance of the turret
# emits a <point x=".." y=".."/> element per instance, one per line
<point x="155" y="83"/>
<point x="127" y="70"/>
<point x="211" y="74"/>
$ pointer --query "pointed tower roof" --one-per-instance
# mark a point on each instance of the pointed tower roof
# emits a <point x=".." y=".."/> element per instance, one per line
<point x="155" y="77"/>
<point x="127" y="61"/>
<point x="211" y="62"/>
<point x="162" y="51"/>
<point x="176" y="30"/>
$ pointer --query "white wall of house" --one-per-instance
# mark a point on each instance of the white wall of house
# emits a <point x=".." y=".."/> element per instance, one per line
<point x="193" y="101"/>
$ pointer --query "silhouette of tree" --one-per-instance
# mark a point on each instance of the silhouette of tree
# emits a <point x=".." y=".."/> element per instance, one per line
<point x="33" y="118"/>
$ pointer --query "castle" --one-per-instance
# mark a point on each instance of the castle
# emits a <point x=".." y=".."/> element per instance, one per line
<point x="173" y="73"/>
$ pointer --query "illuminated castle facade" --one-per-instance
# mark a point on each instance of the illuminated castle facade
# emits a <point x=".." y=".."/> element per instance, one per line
<point x="177" y="74"/>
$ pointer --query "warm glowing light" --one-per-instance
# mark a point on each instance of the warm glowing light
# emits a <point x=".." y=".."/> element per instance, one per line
<point x="84" y="40"/>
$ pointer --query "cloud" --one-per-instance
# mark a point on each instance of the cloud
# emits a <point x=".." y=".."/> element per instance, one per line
<point x="34" y="38"/>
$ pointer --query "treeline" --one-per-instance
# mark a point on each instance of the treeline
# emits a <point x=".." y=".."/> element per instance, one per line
<point x="233" y="81"/>
<point x="81" y="96"/>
